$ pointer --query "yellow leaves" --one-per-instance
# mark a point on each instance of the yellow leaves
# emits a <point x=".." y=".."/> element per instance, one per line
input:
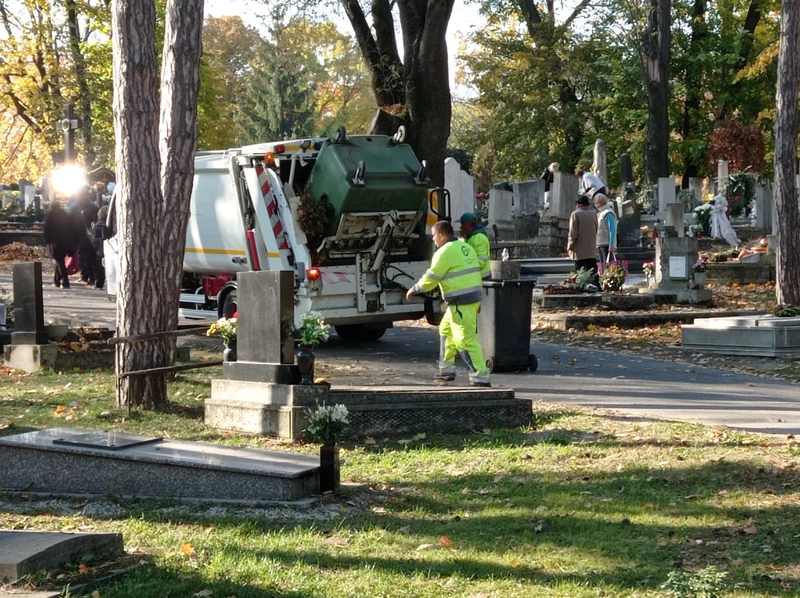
<point x="445" y="542"/>
<point x="83" y="569"/>
<point x="187" y="548"/>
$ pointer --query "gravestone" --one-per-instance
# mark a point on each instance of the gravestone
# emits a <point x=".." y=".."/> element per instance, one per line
<point x="696" y="185"/>
<point x="266" y="308"/>
<point x="722" y="176"/>
<point x="600" y="165"/>
<point x="673" y="218"/>
<point x="666" y="194"/>
<point x="528" y="200"/>
<point x="563" y="193"/>
<point x="29" y="328"/>
<point x="501" y="213"/>
<point x="627" y="169"/>
<point x="765" y="206"/>
<point x="630" y="224"/>
<point x="462" y="191"/>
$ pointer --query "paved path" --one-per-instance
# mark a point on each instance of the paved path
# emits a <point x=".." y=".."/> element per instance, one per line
<point x="636" y="385"/>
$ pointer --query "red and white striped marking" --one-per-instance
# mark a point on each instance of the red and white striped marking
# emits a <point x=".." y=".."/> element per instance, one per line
<point x="272" y="209"/>
<point x="335" y="277"/>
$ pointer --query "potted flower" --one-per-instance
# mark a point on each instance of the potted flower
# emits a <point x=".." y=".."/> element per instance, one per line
<point x="325" y="425"/>
<point x="699" y="271"/>
<point x="225" y="328"/>
<point x="649" y="272"/>
<point x="313" y="331"/>
<point x="613" y="277"/>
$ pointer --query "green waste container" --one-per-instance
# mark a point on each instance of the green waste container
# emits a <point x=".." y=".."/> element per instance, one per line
<point x="504" y="325"/>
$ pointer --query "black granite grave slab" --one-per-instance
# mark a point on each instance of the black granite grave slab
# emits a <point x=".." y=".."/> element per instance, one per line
<point x="29" y="328"/>
<point x="111" y="440"/>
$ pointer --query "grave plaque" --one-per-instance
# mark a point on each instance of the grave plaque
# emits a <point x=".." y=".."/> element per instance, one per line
<point x="678" y="267"/>
<point x="29" y="326"/>
<point x="110" y="441"/>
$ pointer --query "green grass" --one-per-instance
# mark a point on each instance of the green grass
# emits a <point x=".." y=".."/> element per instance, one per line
<point x="590" y="503"/>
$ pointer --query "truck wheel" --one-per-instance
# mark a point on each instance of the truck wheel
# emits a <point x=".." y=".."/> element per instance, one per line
<point x="352" y="333"/>
<point x="229" y="306"/>
<point x="374" y="334"/>
<point x="533" y="363"/>
<point x="490" y="364"/>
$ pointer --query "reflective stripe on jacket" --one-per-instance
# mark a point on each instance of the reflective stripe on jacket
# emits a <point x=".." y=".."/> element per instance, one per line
<point x="479" y="241"/>
<point x="455" y="268"/>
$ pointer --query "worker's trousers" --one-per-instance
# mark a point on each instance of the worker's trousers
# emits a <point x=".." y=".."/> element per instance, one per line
<point x="458" y="335"/>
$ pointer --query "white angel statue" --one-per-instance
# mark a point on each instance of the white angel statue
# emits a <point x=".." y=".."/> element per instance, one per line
<point x="720" y="225"/>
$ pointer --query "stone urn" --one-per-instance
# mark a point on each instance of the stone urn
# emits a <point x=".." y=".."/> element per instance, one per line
<point x="305" y="363"/>
<point x="329" y="474"/>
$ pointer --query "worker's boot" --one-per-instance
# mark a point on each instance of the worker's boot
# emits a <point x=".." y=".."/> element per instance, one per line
<point x="481" y="383"/>
<point x="444" y="377"/>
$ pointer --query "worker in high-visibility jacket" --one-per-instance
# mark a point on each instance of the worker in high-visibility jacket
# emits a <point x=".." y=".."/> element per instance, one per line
<point x="456" y="270"/>
<point x="475" y="235"/>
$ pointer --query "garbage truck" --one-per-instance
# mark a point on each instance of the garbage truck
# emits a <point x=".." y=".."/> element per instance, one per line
<point x="347" y="214"/>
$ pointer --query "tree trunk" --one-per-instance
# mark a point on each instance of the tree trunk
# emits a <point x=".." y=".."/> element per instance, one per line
<point x="180" y="85"/>
<point x="427" y="81"/>
<point x="787" y="287"/>
<point x="656" y="43"/>
<point x="417" y="91"/>
<point x="85" y="97"/>
<point x="691" y="106"/>
<point x="139" y="302"/>
<point x="152" y="223"/>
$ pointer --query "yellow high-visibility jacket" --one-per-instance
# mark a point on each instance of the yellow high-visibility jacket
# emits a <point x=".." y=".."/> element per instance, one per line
<point x="455" y="268"/>
<point x="479" y="241"/>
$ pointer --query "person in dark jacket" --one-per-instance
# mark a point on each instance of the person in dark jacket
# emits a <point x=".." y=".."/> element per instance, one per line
<point x="59" y="234"/>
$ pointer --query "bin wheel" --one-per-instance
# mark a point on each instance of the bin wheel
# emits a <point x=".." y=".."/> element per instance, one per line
<point x="533" y="363"/>
<point x="490" y="364"/>
<point x="340" y="135"/>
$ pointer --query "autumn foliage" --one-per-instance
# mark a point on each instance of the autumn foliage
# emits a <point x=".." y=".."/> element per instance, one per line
<point x="742" y="146"/>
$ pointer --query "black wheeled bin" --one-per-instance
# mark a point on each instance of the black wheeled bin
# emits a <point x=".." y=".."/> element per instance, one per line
<point x="504" y="325"/>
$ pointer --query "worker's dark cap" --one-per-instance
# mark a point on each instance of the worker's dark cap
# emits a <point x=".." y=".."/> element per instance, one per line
<point x="468" y="217"/>
<point x="582" y="200"/>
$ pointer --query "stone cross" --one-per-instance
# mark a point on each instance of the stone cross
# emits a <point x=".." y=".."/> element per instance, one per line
<point x="29" y="328"/>
<point x="67" y="125"/>
<point x="600" y="165"/>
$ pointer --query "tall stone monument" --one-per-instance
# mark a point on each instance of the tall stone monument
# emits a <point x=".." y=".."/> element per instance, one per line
<point x="600" y="165"/>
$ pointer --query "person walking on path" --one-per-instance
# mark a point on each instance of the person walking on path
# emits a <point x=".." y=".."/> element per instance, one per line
<point x="589" y="184"/>
<point x="59" y="234"/>
<point x="456" y="270"/>
<point x="582" y="242"/>
<point x="476" y="237"/>
<point x="606" y="229"/>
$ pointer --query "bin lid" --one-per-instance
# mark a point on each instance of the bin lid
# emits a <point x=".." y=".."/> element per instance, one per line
<point x="508" y="282"/>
